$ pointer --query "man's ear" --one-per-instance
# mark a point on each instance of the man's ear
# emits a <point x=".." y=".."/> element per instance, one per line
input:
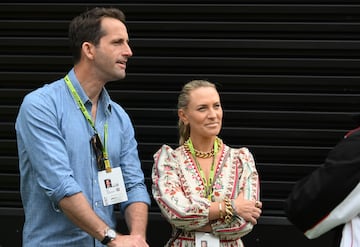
<point x="88" y="50"/>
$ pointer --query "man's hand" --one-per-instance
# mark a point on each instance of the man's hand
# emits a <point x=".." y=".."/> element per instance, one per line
<point x="128" y="241"/>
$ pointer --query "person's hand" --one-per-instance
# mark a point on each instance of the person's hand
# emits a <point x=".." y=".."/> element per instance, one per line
<point x="249" y="210"/>
<point x="128" y="241"/>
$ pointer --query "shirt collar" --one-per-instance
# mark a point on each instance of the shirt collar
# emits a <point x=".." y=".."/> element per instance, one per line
<point x="104" y="98"/>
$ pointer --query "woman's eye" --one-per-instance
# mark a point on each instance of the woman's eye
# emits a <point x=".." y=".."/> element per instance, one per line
<point x="201" y="109"/>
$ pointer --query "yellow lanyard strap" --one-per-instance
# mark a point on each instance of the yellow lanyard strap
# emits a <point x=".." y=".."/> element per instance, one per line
<point x="208" y="183"/>
<point x="88" y="118"/>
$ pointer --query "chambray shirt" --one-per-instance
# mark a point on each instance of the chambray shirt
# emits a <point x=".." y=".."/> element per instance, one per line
<point x="56" y="160"/>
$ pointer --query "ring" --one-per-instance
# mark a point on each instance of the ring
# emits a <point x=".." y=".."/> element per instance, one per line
<point x="257" y="204"/>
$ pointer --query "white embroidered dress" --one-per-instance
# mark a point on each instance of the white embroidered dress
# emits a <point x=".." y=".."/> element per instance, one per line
<point x="178" y="189"/>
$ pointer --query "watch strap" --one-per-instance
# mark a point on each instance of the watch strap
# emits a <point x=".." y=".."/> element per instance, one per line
<point x="106" y="240"/>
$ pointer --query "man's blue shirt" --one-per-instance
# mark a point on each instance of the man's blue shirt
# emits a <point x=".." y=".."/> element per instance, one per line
<point x="56" y="160"/>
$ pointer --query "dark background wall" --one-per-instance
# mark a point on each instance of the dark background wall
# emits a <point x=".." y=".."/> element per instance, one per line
<point x="288" y="75"/>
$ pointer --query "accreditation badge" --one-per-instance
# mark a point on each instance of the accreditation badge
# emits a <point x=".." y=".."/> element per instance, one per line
<point x="204" y="239"/>
<point x="112" y="186"/>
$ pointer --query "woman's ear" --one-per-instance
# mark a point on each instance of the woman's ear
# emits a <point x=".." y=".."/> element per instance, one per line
<point x="182" y="116"/>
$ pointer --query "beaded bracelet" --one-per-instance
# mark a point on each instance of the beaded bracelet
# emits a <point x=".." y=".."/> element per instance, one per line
<point x="228" y="210"/>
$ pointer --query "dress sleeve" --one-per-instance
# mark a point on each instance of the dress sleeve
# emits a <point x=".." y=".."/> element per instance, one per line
<point x="184" y="210"/>
<point x="247" y="182"/>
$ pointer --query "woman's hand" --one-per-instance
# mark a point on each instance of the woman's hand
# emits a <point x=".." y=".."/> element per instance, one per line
<point x="249" y="210"/>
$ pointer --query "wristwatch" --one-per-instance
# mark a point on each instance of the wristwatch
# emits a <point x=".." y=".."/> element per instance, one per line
<point x="110" y="235"/>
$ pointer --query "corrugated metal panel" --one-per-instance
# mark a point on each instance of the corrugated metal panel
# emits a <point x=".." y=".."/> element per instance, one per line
<point x="288" y="75"/>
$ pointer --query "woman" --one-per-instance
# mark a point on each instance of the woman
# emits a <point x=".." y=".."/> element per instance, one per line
<point x="205" y="189"/>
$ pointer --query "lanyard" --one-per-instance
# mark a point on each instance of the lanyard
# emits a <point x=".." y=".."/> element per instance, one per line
<point x="88" y="118"/>
<point x="208" y="183"/>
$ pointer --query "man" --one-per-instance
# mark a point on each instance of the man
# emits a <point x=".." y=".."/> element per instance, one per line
<point x="72" y="136"/>
<point x="329" y="197"/>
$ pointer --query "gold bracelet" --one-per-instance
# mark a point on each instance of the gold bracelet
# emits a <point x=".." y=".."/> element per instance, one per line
<point x="228" y="211"/>
<point x="220" y="210"/>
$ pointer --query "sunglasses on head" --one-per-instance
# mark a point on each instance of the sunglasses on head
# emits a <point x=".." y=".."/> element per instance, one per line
<point x="98" y="149"/>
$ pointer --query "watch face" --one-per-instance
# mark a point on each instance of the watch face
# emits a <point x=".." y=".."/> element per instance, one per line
<point x="111" y="233"/>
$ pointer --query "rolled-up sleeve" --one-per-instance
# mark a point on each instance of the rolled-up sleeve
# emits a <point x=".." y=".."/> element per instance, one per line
<point x="40" y="138"/>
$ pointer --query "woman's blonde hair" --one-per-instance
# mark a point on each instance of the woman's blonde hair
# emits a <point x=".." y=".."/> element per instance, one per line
<point x="183" y="101"/>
